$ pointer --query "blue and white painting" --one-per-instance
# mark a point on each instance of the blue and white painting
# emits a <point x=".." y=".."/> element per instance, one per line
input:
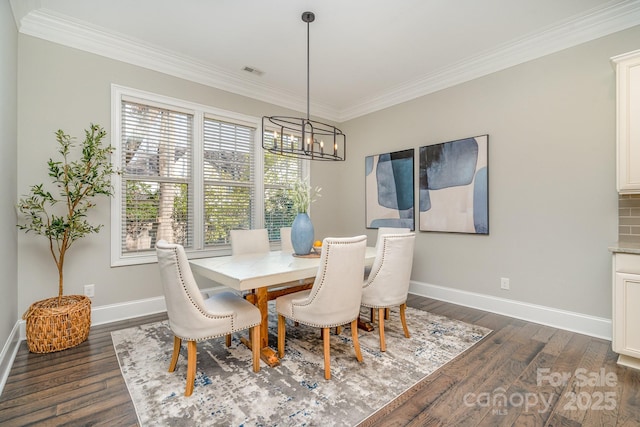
<point x="454" y="186"/>
<point x="389" y="190"/>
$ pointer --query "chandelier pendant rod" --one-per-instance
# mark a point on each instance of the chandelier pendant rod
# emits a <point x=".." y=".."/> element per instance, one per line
<point x="308" y="66"/>
<point x="308" y="142"/>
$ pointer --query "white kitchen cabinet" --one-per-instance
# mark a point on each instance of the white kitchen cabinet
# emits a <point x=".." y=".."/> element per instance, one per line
<point x="626" y="308"/>
<point x="628" y="121"/>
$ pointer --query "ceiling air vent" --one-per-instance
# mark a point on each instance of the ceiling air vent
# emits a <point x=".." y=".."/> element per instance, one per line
<point x="252" y="70"/>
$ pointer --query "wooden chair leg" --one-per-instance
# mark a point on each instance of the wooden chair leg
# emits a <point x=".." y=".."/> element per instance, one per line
<point x="255" y="347"/>
<point x="228" y="340"/>
<point x="192" y="354"/>
<point x="354" y="338"/>
<point x="281" y="331"/>
<point x="327" y="361"/>
<point x="403" y="319"/>
<point x="383" y="344"/>
<point x="338" y="330"/>
<point x="387" y="312"/>
<point x="373" y="315"/>
<point x="177" y="343"/>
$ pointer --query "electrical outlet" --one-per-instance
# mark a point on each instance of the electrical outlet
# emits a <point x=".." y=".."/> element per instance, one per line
<point x="504" y="283"/>
<point x="90" y="290"/>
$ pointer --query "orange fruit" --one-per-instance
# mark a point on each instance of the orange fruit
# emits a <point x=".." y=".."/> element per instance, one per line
<point x="317" y="243"/>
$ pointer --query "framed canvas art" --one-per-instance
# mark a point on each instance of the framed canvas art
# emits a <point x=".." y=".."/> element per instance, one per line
<point x="454" y="186"/>
<point x="389" y="190"/>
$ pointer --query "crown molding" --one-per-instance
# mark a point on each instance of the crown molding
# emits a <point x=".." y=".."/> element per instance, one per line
<point x="561" y="36"/>
<point x="61" y="29"/>
<point x="21" y="8"/>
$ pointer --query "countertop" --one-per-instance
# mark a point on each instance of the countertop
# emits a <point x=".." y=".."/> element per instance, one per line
<point x="625" y="248"/>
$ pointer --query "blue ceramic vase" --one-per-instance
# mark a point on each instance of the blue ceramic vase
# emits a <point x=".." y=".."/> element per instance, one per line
<point x="302" y="234"/>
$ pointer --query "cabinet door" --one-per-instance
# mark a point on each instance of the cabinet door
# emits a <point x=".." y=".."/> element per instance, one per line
<point x="628" y="123"/>
<point x="626" y="314"/>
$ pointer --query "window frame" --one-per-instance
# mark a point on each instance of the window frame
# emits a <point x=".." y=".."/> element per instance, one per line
<point x="199" y="111"/>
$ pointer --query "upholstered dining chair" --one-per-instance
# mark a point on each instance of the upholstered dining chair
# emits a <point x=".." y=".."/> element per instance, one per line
<point x="390" y="230"/>
<point x="388" y="283"/>
<point x="249" y="241"/>
<point x="381" y="232"/>
<point x="334" y="298"/>
<point x="285" y="239"/>
<point x="193" y="318"/>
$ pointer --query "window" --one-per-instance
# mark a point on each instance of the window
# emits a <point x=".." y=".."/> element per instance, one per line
<point x="280" y="172"/>
<point x="189" y="174"/>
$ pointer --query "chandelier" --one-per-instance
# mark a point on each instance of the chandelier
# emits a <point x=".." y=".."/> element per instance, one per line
<point x="302" y="137"/>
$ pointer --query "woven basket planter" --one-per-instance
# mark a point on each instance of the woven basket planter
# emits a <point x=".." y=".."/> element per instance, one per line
<point x="54" y="327"/>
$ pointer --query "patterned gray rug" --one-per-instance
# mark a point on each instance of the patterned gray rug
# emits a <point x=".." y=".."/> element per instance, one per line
<point x="228" y="393"/>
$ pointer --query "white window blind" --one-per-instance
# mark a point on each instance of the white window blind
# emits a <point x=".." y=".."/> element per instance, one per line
<point x="190" y="173"/>
<point x="157" y="183"/>
<point x="228" y="179"/>
<point x="280" y="173"/>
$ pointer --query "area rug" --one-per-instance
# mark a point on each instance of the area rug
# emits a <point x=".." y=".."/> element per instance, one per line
<point x="228" y="393"/>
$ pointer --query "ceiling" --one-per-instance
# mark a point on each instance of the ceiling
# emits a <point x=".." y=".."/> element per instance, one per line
<point x="365" y="55"/>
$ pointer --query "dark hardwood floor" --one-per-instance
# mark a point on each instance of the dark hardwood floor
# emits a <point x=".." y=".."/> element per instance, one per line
<point x="523" y="374"/>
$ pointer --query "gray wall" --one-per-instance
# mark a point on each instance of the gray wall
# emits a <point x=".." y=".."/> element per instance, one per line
<point x="553" y="205"/>
<point x="64" y="88"/>
<point x="8" y="138"/>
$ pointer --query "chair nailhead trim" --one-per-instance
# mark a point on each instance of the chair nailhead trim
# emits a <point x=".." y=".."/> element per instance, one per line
<point x="205" y="314"/>
<point x="322" y="278"/>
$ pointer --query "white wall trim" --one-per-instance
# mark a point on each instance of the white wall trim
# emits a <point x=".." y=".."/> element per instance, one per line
<point x="127" y="310"/>
<point x="49" y="25"/>
<point x="109" y="313"/>
<point x="8" y="354"/>
<point x="561" y="36"/>
<point x="576" y="322"/>
<point x="131" y="309"/>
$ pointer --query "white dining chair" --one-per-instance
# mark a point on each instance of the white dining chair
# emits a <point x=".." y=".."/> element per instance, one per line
<point x="193" y="318"/>
<point x="285" y="239"/>
<point x="381" y="232"/>
<point x="388" y="284"/>
<point x="390" y="230"/>
<point x="334" y="298"/>
<point x="249" y="241"/>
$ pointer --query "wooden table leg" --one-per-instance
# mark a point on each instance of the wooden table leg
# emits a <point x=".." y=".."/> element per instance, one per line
<point x="260" y="298"/>
<point x="261" y="303"/>
<point x="267" y="354"/>
<point x="365" y="326"/>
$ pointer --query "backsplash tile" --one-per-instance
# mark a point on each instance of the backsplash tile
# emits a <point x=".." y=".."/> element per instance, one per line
<point x="629" y="218"/>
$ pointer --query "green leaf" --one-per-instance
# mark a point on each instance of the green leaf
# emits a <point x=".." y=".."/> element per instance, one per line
<point x="61" y="215"/>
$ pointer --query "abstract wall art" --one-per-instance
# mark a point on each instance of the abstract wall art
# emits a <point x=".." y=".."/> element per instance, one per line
<point x="389" y="190"/>
<point x="454" y="186"/>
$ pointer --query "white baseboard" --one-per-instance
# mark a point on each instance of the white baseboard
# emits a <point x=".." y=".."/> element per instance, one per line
<point x="99" y="315"/>
<point x="576" y="322"/>
<point x="8" y="354"/>
<point x="131" y="309"/>
<point x="103" y="314"/>
<point x="127" y="310"/>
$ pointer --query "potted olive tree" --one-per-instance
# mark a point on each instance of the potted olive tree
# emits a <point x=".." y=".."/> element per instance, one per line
<point x="79" y="177"/>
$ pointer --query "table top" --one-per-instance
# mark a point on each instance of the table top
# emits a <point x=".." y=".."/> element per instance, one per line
<point x="252" y="271"/>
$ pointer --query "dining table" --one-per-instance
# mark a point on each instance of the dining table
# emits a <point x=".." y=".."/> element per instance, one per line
<point x="263" y="277"/>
